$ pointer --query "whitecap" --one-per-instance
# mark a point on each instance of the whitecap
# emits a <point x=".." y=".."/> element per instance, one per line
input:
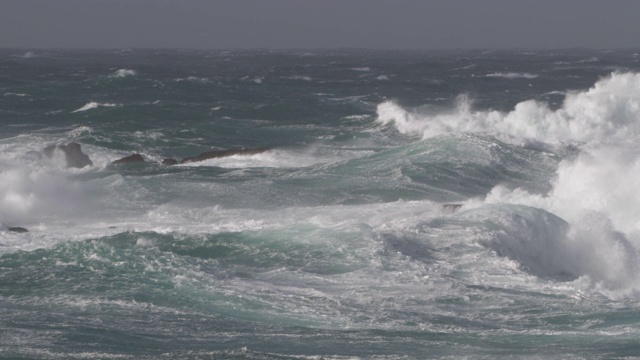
<point x="356" y="117"/>
<point x="93" y="105"/>
<point x="79" y="131"/>
<point x="466" y="67"/>
<point x="193" y="79"/>
<point x="363" y="69"/>
<point x="123" y="73"/>
<point x="26" y="55"/>
<point x="554" y="93"/>
<point x="299" y="77"/>
<point x="512" y="75"/>
<point x="589" y="60"/>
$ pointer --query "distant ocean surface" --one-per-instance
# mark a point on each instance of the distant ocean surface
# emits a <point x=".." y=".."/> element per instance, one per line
<point x="409" y="205"/>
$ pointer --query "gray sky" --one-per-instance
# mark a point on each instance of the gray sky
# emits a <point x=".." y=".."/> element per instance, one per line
<point x="395" y="24"/>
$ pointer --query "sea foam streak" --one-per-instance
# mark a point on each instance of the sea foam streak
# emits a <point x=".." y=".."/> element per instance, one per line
<point x="609" y="110"/>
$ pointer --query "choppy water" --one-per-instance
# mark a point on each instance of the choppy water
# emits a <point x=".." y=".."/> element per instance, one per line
<point x="335" y="243"/>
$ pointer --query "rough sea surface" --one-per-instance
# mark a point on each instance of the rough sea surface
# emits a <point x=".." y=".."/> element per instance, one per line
<point x="341" y="240"/>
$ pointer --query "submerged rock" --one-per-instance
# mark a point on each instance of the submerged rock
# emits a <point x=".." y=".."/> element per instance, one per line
<point x="131" y="159"/>
<point x="18" y="229"/>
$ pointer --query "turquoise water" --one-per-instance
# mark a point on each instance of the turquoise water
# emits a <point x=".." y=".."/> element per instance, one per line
<point x="339" y="241"/>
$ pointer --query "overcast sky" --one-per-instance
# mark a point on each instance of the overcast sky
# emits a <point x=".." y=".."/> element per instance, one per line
<point x="393" y="24"/>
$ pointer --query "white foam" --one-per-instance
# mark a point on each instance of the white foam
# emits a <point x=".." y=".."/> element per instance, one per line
<point x="93" y="105"/>
<point x="609" y="110"/>
<point x="398" y="215"/>
<point x="362" y="69"/>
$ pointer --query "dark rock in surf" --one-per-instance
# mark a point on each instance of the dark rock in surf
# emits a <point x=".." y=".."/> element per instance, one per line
<point x="18" y="229"/>
<point x="131" y="159"/>
<point x="169" y="162"/>
<point x="450" y="208"/>
<point x="73" y="155"/>
<point x="222" y="153"/>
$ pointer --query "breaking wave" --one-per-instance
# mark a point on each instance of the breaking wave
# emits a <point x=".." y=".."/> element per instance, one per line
<point x="608" y="110"/>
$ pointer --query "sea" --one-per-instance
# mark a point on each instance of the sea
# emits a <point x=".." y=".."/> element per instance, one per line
<point x="460" y="204"/>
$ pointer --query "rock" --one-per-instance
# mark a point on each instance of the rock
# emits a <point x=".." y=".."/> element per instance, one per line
<point x="131" y="159"/>
<point x="18" y="229"/>
<point x="169" y="162"/>
<point x="77" y="159"/>
<point x="72" y="153"/>
<point x="222" y="153"/>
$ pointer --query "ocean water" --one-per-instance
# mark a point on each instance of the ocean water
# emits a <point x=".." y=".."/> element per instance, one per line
<point x="410" y="205"/>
